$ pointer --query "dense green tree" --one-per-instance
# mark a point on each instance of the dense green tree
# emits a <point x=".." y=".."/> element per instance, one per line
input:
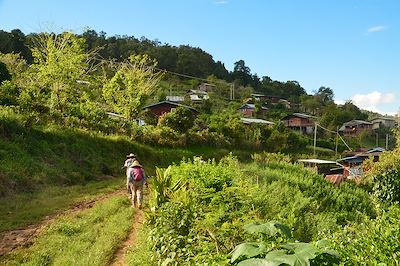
<point x="227" y="124"/>
<point x="133" y="83"/>
<point x="15" y="42"/>
<point x="241" y="73"/>
<point x="8" y="93"/>
<point x="19" y="90"/>
<point x="290" y="90"/>
<point x="353" y="111"/>
<point x="59" y="62"/>
<point x="180" y="120"/>
<point x="324" y="95"/>
<point x="4" y="74"/>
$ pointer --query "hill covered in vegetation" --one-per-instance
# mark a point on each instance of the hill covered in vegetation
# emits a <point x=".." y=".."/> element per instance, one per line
<point x="69" y="111"/>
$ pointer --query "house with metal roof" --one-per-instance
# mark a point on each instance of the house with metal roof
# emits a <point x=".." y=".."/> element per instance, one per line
<point x="163" y="107"/>
<point x="381" y="122"/>
<point x="250" y="121"/>
<point x="249" y="109"/>
<point x="300" y="122"/>
<point x="355" y="127"/>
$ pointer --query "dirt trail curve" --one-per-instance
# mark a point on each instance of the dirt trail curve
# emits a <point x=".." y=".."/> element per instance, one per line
<point x="10" y="240"/>
<point x="119" y="256"/>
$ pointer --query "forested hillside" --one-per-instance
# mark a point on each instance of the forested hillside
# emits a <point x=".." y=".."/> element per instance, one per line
<point x="98" y="57"/>
<point x="221" y="191"/>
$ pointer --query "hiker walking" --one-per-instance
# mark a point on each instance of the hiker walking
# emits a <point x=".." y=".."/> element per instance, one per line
<point x="136" y="180"/>
<point x="130" y="158"/>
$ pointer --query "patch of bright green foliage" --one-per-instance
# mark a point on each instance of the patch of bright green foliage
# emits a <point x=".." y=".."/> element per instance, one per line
<point x="202" y="221"/>
<point x="269" y="249"/>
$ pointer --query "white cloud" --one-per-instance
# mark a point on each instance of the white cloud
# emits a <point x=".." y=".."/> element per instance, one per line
<point x="376" y="29"/>
<point x="221" y="2"/>
<point x="340" y="102"/>
<point x="372" y="101"/>
<point x="374" y="98"/>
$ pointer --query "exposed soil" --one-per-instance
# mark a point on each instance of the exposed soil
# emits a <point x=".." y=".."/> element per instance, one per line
<point x="119" y="256"/>
<point x="10" y="240"/>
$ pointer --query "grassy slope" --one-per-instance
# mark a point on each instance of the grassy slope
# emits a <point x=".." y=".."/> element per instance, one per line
<point x="67" y="166"/>
<point x="89" y="237"/>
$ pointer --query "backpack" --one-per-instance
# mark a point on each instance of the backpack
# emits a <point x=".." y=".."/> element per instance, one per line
<point x="136" y="174"/>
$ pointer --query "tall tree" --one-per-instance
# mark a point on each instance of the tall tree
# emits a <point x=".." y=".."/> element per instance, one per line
<point x="133" y="83"/>
<point x="324" y="95"/>
<point x="60" y="61"/>
<point x="4" y="74"/>
<point x="241" y="73"/>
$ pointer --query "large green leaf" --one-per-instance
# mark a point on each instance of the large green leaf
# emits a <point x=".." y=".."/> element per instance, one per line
<point x="248" y="250"/>
<point x="269" y="229"/>
<point x="296" y="254"/>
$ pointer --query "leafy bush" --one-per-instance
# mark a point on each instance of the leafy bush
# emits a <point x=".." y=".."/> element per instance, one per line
<point x="373" y="242"/>
<point x="8" y="93"/>
<point x="179" y="120"/>
<point x="385" y="175"/>
<point x="266" y="158"/>
<point x="270" y="250"/>
<point x="217" y="199"/>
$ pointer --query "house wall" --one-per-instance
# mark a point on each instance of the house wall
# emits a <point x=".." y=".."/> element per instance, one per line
<point x="247" y="112"/>
<point x="377" y="123"/>
<point x="298" y="122"/>
<point x="356" y="130"/>
<point x="161" y="109"/>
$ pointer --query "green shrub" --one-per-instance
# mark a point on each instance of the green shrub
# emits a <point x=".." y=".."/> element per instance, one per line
<point x="218" y="199"/>
<point x="385" y="176"/>
<point x="373" y="242"/>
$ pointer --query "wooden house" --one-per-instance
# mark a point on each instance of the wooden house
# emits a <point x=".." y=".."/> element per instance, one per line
<point x="207" y="87"/>
<point x="175" y="98"/>
<point x="355" y="127"/>
<point x="300" y="122"/>
<point x="381" y="122"/>
<point x="197" y="96"/>
<point x="163" y="107"/>
<point x="249" y="109"/>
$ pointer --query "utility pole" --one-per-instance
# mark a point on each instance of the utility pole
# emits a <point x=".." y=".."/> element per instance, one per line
<point x="377" y="140"/>
<point x="387" y="141"/>
<point x="315" y="137"/>
<point x="233" y="91"/>
<point x="337" y="139"/>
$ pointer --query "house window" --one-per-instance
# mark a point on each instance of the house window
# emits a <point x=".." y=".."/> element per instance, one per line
<point x="173" y="109"/>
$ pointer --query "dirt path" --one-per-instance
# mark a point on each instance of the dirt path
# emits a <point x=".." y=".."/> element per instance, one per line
<point x="10" y="240"/>
<point x="119" y="256"/>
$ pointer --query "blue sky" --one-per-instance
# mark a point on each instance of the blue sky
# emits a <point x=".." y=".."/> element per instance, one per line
<point x="351" y="46"/>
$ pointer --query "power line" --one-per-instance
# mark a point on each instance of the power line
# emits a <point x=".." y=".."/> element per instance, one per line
<point x="337" y="134"/>
<point x="189" y="76"/>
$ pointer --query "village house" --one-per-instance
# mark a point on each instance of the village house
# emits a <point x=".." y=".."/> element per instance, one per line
<point x="175" y="98"/>
<point x="259" y="97"/>
<point x="206" y="87"/>
<point x="251" y="121"/>
<point x="380" y="122"/>
<point x="158" y="109"/>
<point x="300" y="122"/>
<point x="249" y="109"/>
<point x="272" y="100"/>
<point x="197" y="96"/>
<point x="355" y="127"/>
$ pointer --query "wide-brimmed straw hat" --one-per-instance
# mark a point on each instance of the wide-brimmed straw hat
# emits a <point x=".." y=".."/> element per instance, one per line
<point x="131" y="155"/>
<point x="136" y="163"/>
